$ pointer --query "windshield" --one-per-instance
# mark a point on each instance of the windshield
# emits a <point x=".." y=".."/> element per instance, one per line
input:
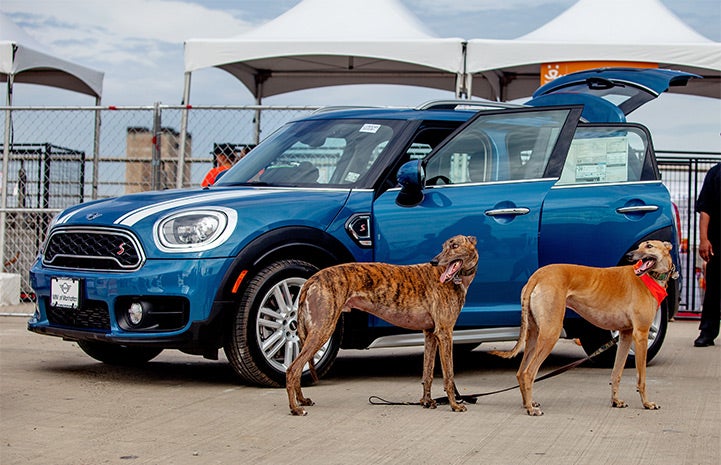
<point x="320" y="153"/>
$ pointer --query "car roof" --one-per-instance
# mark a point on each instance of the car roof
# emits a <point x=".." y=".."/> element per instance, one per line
<point x="443" y="110"/>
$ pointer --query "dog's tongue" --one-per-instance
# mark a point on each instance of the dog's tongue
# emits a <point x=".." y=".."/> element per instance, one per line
<point x="450" y="271"/>
<point x="641" y="267"/>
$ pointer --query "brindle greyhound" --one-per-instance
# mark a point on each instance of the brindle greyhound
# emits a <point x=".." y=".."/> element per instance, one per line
<point x="623" y="298"/>
<point x="427" y="296"/>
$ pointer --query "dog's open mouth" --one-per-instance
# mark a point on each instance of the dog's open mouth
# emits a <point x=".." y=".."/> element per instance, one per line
<point x="644" y="265"/>
<point x="451" y="270"/>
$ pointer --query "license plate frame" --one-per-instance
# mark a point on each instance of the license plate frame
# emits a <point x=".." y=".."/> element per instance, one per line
<point x="65" y="292"/>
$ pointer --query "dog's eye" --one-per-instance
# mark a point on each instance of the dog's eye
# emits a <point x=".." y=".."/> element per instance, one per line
<point x="454" y="246"/>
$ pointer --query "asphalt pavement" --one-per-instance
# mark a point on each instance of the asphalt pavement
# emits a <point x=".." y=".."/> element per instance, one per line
<point x="59" y="406"/>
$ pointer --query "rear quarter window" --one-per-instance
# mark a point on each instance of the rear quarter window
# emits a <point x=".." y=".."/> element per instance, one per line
<point x="607" y="155"/>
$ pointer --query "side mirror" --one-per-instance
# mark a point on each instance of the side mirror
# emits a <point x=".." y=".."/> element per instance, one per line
<point x="411" y="177"/>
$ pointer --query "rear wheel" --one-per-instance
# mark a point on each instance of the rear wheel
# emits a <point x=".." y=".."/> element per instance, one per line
<point x="113" y="354"/>
<point x="593" y="337"/>
<point x="263" y="339"/>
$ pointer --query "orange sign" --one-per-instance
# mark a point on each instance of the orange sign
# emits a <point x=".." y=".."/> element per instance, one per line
<point x="551" y="71"/>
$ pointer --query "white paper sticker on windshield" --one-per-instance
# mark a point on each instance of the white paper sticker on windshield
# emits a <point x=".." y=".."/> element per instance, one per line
<point x="371" y="128"/>
<point x="352" y="177"/>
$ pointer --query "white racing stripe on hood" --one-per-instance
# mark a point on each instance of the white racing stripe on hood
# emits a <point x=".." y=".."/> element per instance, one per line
<point x="132" y="217"/>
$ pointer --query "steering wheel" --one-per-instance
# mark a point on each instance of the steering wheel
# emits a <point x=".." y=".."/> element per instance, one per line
<point x="434" y="180"/>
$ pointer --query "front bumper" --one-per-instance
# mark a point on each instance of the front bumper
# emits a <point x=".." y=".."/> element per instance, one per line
<point x="179" y="293"/>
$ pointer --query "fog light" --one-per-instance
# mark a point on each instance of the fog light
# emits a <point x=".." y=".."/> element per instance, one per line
<point x="135" y="313"/>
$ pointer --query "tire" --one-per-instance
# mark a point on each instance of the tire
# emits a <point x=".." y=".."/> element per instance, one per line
<point x="113" y="354"/>
<point x="263" y="343"/>
<point x="593" y="337"/>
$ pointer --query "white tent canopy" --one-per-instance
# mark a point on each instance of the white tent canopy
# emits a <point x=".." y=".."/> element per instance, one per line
<point x="320" y="43"/>
<point x="24" y="60"/>
<point x="612" y="30"/>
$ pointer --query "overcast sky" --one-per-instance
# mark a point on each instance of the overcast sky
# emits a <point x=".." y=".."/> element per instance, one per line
<point x="138" y="44"/>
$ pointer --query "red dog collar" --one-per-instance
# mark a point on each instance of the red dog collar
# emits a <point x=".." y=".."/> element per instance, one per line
<point x="658" y="291"/>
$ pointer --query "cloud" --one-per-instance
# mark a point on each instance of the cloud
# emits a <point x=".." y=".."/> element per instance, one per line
<point x="444" y="6"/>
<point x="131" y="31"/>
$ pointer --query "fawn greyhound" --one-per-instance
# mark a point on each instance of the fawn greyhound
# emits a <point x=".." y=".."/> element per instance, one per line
<point x="623" y="298"/>
<point x="427" y="297"/>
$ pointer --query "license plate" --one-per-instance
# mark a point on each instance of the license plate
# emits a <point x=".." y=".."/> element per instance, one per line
<point x="65" y="292"/>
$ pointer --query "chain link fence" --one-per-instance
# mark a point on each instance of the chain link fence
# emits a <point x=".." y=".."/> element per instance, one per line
<point x="683" y="174"/>
<point x="55" y="157"/>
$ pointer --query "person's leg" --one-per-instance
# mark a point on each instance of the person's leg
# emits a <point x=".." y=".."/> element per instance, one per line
<point x="711" y="311"/>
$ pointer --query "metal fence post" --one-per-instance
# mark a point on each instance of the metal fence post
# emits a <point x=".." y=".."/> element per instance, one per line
<point x="183" y="133"/>
<point x="4" y="173"/>
<point x="96" y="150"/>
<point x="155" y="182"/>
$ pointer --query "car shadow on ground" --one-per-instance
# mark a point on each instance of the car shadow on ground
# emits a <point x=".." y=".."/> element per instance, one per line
<point x="172" y="367"/>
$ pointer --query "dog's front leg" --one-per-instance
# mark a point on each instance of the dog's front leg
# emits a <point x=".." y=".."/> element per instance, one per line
<point x="429" y="360"/>
<point x="445" y="345"/>
<point x="624" y="345"/>
<point x="640" y="339"/>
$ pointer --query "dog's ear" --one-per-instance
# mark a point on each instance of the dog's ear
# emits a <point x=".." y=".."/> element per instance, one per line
<point x="668" y="246"/>
<point x="472" y="239"/>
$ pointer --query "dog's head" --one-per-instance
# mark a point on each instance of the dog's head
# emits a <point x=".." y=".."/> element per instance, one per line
<point x="654" y="257"/>
<point x="459" y="258"/>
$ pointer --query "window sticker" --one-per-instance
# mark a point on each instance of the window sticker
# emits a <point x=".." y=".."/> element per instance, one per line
<point x="603" y="159"/>
<point x="370" y="128"/>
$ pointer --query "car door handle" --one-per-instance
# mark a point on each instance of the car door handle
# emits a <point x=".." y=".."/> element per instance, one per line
<point x="508" y="211"/>
<point x="637" y="209"/>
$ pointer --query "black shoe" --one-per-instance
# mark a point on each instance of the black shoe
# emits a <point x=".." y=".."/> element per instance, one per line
<point x="703" y="341"/>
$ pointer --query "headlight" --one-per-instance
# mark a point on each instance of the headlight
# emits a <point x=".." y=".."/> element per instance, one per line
<point x="195" y="230"/>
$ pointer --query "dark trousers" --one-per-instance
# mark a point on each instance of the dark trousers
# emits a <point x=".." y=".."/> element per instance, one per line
<point x="711" y="311"/>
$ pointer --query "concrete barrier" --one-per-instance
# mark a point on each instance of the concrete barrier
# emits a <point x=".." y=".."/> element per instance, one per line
<point x="9" y="289"/>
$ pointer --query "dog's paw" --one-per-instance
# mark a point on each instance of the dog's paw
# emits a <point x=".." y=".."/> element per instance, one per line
<point x="459" y="408"/>
<point x="618" y="403"/>
<point x="428" y="403"/>
<point x="534" y="411"/>
<point x="651" y="406"/>
<point x="298" y="412"/>
<point x="306" y="401"/>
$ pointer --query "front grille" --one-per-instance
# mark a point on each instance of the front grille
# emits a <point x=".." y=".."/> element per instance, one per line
<point x="93" y="249"/>
<point x="92" y="314"/>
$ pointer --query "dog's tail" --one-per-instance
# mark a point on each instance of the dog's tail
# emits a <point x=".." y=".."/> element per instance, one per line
<point x="303" y="330"/>
<point x="525" y="314"/>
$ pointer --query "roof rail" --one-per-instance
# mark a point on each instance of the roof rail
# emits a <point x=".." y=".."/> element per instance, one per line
<point x="341" y="107"/>
<point x="481" y="104"/>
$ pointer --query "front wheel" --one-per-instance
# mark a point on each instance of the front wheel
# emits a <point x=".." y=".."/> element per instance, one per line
<point x="263" y="338"/>
<point x="592" y="338"/>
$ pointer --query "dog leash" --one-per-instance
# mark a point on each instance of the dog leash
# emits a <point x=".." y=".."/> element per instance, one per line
<point x="472" y="398"/>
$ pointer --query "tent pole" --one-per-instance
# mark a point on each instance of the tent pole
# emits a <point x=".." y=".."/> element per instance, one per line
<point x="462" y="79"/>
<point x="183" y="133"/>
<point x="5" y="165"/>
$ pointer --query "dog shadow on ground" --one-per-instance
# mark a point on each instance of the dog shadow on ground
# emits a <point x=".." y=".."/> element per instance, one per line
<point x="408" y="362"/>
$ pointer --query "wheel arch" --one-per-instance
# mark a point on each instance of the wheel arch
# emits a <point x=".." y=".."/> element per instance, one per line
<point x="310" y="244"/>
<point x="305" y="243"/>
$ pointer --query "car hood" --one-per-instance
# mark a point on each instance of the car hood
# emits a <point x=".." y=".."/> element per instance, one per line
<point x="609" y="94"/>
<point x="258" y="210"/>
